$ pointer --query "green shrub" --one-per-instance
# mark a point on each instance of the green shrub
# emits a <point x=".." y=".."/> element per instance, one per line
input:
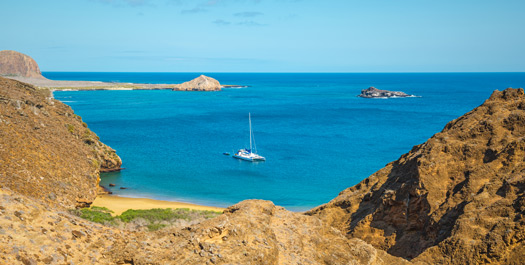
<point x="155" y="226"/>
<point x="154" y="215"/>
<point x="101" y="215"/>
<point x="155" y="219"/>
<point x="70" y="128"/>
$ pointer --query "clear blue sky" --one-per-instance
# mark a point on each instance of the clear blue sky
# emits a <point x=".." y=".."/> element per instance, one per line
<point x="267" y="35"/>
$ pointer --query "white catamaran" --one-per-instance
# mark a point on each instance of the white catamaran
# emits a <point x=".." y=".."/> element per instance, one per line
<point x="247" y="154"/>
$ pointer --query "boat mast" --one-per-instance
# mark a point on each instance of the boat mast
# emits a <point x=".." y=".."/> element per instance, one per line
<point x="250" y="121"/>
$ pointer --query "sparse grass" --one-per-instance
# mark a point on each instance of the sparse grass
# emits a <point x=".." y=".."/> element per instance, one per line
<point x="155" y="215"/>
<point x="101" y="215"/>
<point x="152" y="219"/>
<point x="88" y="137"/>
<point x="70" y="128"/>
<point x="155" y="226"/>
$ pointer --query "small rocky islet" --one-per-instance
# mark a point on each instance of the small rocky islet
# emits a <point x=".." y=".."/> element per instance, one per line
<point x="373" y="92"/>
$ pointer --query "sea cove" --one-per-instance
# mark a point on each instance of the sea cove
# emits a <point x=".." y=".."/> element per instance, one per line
<point x="318" y="137"/>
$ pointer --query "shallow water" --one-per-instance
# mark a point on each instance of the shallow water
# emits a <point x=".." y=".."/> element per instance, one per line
<point x="317" y="136"/>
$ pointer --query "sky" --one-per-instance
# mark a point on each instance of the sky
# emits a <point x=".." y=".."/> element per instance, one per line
<point x="267" y="35"/>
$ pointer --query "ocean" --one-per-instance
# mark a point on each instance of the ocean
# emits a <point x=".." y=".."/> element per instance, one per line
<point x="317" y="136"/>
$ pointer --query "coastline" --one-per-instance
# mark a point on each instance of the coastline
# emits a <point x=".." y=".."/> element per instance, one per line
<point x="120" y="204"/>
<point x="63" y="85"/>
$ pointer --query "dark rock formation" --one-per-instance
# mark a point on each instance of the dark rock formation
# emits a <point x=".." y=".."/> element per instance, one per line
<point x="373" y="92"/>
<point x="458" y="198"/>
<point x="46" y="151"/>
<point x="18" y="64"/>
<point x="201" y="83"/>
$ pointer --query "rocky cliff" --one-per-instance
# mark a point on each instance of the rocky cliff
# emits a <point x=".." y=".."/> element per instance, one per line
<point x="46" y="151"/>
<point x="13" y="63"/>
<point x="201" y="83"/>
<point x="458" y="198"/>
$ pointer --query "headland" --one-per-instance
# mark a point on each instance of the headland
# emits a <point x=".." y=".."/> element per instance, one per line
<point x="23" y="68"/>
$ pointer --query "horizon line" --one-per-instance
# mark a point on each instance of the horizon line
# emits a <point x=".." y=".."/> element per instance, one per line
<point x="191" y="72"/>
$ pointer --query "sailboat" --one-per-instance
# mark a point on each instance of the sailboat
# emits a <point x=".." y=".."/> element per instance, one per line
<point x="247" y="154"/>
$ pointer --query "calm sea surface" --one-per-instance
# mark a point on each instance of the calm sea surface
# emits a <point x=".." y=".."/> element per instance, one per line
<point x="317" y="136"/>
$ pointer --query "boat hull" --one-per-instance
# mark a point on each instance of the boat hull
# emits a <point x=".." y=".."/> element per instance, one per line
<point x="251" y="159"/>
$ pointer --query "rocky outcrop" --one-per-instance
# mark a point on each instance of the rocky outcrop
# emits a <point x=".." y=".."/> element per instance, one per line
<point x="252" y="232"/>
<point x="46" y="151"/>
<point x="458" y="198"/>
<point x="373" y="92"/>
<point x="257" y="232"/>
<point x="13" y="63"/>
<point x="201" y="83"/>
<point x="35" y="233"/>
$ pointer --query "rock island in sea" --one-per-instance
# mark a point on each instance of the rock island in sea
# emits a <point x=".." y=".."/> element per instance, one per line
<point x="373" y="92"/>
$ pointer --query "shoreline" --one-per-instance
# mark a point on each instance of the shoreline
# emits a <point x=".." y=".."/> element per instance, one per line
<point x="120" y="204"/>
<point x="65" y="85"/>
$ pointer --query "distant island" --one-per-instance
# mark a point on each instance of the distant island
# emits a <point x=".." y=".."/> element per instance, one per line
<point x="21" y="67"/>
<point x="373" y="92"/>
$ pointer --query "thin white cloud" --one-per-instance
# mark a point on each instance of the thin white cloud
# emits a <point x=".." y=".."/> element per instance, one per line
<point x="121" y="3"/>
<point x="194" y="10"/>
<point x="221" y="22"/>
<point x="250" y="23"/>
<point x="248" y="14"/>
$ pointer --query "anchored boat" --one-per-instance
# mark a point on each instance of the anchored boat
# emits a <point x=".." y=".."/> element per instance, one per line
<point x="247" y="154"/>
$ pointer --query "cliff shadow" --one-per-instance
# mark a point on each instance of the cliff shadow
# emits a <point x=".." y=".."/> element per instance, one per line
<point x="400" y="208"/>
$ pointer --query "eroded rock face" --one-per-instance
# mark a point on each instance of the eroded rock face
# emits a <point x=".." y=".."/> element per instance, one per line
<point x="13" y="63"/>
<point x="201" y="83"/>
<point x="373" y="92"/>
<point x="258" y="232"/>
<point x="458" y="198"/>
<point x="252" y="232"/>
<point x="35" y="233"/>
<point x="46" y="151"/>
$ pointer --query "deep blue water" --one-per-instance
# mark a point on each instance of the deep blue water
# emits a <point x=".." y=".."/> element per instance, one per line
<point x="317" y="136"/>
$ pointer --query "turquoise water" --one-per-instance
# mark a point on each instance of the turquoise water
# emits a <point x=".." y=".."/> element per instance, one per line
<point x="317" y="136"/>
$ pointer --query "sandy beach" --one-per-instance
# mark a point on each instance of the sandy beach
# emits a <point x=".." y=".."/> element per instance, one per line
<point x="120" y="204"/>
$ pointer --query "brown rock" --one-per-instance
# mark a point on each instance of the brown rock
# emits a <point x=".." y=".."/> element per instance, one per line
<point x="13" y="63"/>
<point x="458" y="198"/>
<point x="77" y="234"/>
<point x="201" y="83"/>
<point x="272" y="235"/>
<point x="112" y="185"/>
<point x="56" y="160"/>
